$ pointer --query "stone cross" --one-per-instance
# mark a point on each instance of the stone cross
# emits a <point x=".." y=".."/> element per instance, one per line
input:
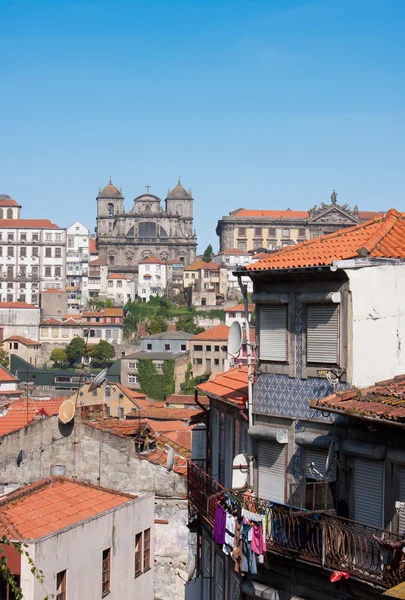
<point x="147" y="188"/>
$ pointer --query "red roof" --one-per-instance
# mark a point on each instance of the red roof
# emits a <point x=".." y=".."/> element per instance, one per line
<point x="164" y="426"/>
<point x="17" y="415"/>
<point x="382" y="237"/>
<point x="163" y="413"/>
<point x="151" y="260"/>
<point x="106" y="312"/>
<point x="218" y="333"/>
<point x="4" y="203"/>
<point x="175" y="261"/>
<point x="117" y="276"/>
<point x="231" y="386"/>
<point x="97" y="263"/>
<point x="27" y="224"/>
<point x="274" y="214"/>
<point x="51" y="321"/>
<point x="5" y="375"/>
<point x="17" y="305"/>
<point x="240" y="308"/>
<point x="384" y="401"/>
<point x="183" y="438"/>
<point x="185" y="399"/>
<point x="260" y="256"/>
<point x="49" y="505"/>
<point x="92" y="246"/>
<point x="22" y="340"/>
<point x="199" y="264"/>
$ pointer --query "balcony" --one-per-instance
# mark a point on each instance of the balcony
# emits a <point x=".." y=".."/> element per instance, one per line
<point x="320" y="538"/>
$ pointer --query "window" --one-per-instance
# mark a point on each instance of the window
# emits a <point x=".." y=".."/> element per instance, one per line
<point x="23" y="252"/>
<point x="61" y="585"/>
<point x="216" y="348"/>
<point x="159" y="367"/>
<point x="119" y="283"/>
<point x="208" y="348"/>
<point x="48" y="252"/>
<point x="198" y="361"/>
<point x="216" y="361"/>
<point x="242" y="246"/>
<point x="198" y="348"/>
<point x="133" y="365"/>
<point x="35" y="252"/>
<point x="48" y="237"/>
<point x="110" y="210"/>
<point x="58" y="271"/>
<point x="148" y="346"/>
<point x="106" y="571"/>
<point x="48" y="272"/>
<point x="167" y="346"/>
<point x="186" y="275"/>
<point x="183" y="347"/>
<point x="9" y="213"/>
<point x="108" y="334"/>
<point x="258" y="231"/>
<point x="22" y="297"/>
<point x="146" y="550"/>
<point x="323" y="334"/>
<point x="115" y="334"/>
<point x="71" y="242"/>
<point x="301" y="233"/>
<point x="120" y="412"/>
<point x="203" y="301"/>
<point x="35" y="237"/>
<point x="10" y="272"/>
<point x="138" y="554"/>
<point x="58" y="237"/>
<point x="10" y="251"/>
<point x="285" y="233"/>
<point x="110" y="283"/>
<point x="58" y="252"/>
<point x="10" y="237"/>
<point x="242" y="231"/>
<point x="273" y="333"/>
<point x="132" y="378"/>
<point x="272" y="232"/>
<point x="111" y="259"/>
<point x="192" y="275"/>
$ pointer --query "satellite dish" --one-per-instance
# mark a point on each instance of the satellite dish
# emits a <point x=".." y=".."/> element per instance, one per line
<point x="191" y="569"/>
<point x="170" y="460"/>
<point x="235" y="338"/>
<point x="66" y="411"/>
<point x="98" y="380"/>
<point x="330" y="457"/>
<point x="240" y="471"/>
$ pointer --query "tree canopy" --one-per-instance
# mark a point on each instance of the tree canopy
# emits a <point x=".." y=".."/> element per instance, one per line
<point x="59" y="357"/>
<point x="208" y="254"/>
<point x="75" y="350"/>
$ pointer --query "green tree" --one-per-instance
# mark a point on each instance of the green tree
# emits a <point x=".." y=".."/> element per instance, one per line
<point x="208" y="254"/>
<point x="59" y="358"/>
<point x="156" y="385"/>
<point x="156" y="325"/>
<point x="189" y="384"/>
<point x="4" y="357"/>
<point x="186" y="323"/>
<point x="75" y="350"/>
<point x="103" y="353"/>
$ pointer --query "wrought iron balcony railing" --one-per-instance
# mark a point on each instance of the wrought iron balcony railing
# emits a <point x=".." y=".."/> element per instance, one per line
<point x="365" y="552"/>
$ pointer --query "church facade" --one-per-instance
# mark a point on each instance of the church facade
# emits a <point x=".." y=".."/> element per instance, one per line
<point x="126" y="238"/>
<point x="271" y="230"/>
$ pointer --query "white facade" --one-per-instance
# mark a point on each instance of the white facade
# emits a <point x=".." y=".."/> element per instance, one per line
<point x="120" y="289"/>
<point x="17" y="318"/>
<point x="77" y="265"/>
<point x="378" y="323"/>
<point x="32" y="259"/>
<point x="78" y="550"/>
<point x="97" y="281"/>
<point x="232" y="261"/>
<point x="237" y="313"/>
<point x="151" y="279"/>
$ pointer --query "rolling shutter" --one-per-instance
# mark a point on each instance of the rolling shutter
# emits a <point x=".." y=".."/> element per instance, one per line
<point x="323" y="333"/>
<point x="368" y="491"/>
<point x="271" y="467"/>
<point x="273" y="333"/>
<point x="401" y="524"/>
<point x="229" y="452"/>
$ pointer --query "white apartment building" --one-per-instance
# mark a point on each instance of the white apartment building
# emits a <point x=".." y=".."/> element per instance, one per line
<point x="120" y="288"/>
<point x="232" y="259"/>
<point x="152" y="278"/>
<point x="77" y="265"/>
<point x="32" y="255"/>
<point x="97" y="281"/>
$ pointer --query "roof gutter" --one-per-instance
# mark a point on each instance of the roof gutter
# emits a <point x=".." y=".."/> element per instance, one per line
<point x="355" y="415"/>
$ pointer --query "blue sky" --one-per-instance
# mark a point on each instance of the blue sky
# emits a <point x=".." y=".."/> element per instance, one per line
<point x="255" y="103"/>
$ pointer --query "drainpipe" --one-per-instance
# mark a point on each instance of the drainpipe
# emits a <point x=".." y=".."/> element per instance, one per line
<point x="243" y="289"/>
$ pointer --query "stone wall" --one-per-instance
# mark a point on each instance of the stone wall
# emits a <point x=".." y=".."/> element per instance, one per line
<point x="105" y="459"/>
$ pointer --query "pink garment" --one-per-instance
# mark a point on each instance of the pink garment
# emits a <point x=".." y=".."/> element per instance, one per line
<point x="258" y="545"/>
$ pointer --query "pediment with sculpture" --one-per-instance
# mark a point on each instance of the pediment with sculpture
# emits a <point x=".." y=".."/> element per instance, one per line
<point x="333" y="213"/>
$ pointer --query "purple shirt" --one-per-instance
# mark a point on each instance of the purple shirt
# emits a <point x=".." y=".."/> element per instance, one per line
<point x="219" y="525"/>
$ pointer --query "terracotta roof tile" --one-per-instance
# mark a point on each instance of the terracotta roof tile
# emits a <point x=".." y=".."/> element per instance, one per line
<point x="8" y="202"/>
<point x="274" y="214"/>
<point x="51" y="321"/>
<point x="17" y="305"/>
<point x="163" y="413"/>
<point x="232" y="386"/>
<point x="166" y="425"/>
<point x="52" y="504"/>
<point x="27" y="224"/>
<point x="200" y="264"/>
<point x="106" y="312"/>
<point x="92" y="246"/>
<point x="17" y="416"/>
<point x="117" y="276"/>
<point x="218" y="333"/>
<point x="151" y="260"/>
<point x="240" y="308"/>
<point x="97" y="263"/>
<point x="22" y="340"/>
<point x="5" y="375"/>
<point x="185" y="399"/>
<point x="385" y="400"/>
<point x="382" y="237"/>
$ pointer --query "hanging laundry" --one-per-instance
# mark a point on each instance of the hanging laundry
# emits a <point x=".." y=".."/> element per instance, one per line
<point x="258" y="544"/>
<point x="219" y="524"/>
<point x="229" y="538"/>
<point x="248" y="556"/>
<point x="337" y="576"/>
<point x="237" y="547"/>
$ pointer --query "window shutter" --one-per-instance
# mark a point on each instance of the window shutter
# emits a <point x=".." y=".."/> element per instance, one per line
<point x="271" y="464"/>
<point x="323" y="333"/>
<point x="368" y="491"/>
<point x="273" y="333"/>
<point x="401" y="524"/>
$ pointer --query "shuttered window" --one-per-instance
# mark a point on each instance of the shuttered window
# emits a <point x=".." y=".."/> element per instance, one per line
<point x="271" y="460"/>
<point x="323" y="334"/>
<point x="401" y="524"/>
<point x="368" y="491"/>
<point x="315" y="458"/>
<point x="273" y="333"/>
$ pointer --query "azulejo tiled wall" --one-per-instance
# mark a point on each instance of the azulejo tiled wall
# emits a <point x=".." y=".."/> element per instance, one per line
<point x="288" y="396"/>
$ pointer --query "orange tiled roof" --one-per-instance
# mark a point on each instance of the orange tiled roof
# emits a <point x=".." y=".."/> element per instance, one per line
<point x="117" y="276"/>
<point x="200" y="264"/>
<point x="97" y="263"/>
<point x="260" y="255"/>
<point x="49" y="505"/>
<point x="17" y="305"/>
<point x="163" y="413"/>
<point x="164" y="426"/>
<point x="185" y="399"/>
<point x="106" y="312"/>
<point x="218" y="333"/>
<point x="27" y="224"/>
<point x="151" y="260"/>
<point x="53" y="291"/>
<point x="7" y="202"/>
<point x="384" y="401"/>
<point x="382" y="237"/>
<point x="240" y="308"/>
<point x="92" y="246"/>
<point x="175" y="261"/>
<point x="51" y="321"/>
<point x="23" y="340"/>
<point x="274" y="214"/>
<point x="5" y="375"/>
<point x="231" y="386"/>
<point x="18" y="416"/>
<point x="183" y="438"/>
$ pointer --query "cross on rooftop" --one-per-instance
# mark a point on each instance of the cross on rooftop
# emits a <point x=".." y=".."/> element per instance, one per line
<point x="147" y="188"/>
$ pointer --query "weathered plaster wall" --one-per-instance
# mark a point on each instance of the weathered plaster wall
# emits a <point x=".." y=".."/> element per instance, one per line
<point x="111" y="461"/>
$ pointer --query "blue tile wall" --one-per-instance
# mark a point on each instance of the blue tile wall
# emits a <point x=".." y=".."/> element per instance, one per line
<point x="287" y="396"/>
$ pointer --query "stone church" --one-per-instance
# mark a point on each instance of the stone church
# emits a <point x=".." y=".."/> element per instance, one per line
<point x="125" y="238"/>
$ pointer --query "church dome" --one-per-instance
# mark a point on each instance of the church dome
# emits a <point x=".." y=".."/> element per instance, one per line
<point x="178" y="191"/>
<point x="110" y="191"/>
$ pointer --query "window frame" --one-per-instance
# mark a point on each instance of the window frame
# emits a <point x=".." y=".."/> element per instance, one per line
<point x="138" y="553"/>
<point x="146" y="547"/>
<point x="106" y="570"/>
<point x="288" y="367"/>
<point x="61" y="585"/>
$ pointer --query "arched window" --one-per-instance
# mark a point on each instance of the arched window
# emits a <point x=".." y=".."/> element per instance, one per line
<point x="9" y="213"/>
<point x="111" y="259"/>
<point x="1" y="213"/>
<point x="110" y="209"/>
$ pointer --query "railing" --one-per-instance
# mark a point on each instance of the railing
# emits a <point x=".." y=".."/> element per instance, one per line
<point x="317" y="537"/>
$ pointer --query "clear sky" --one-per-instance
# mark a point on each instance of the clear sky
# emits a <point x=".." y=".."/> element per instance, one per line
<point x="255" y="103"/>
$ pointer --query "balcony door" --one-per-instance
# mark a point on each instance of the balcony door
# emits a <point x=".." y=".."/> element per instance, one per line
<point x="271" y="466"/>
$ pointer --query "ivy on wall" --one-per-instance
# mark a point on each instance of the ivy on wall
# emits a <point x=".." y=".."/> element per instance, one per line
<point x="153" y="384"/>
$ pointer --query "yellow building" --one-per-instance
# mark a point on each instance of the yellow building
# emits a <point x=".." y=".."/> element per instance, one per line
<point x="119" y="399"/>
